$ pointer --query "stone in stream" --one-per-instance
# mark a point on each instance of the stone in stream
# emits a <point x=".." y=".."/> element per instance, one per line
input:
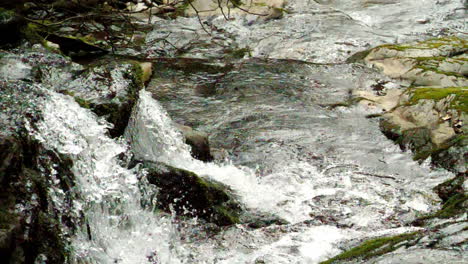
<point x="109" y="88"/>
<point x="430" y="116"/>
<point x="440" y="62"/>
<point x="198" y="142"/>
<point x="432" y="123"/>
<point x="191" y="195"/>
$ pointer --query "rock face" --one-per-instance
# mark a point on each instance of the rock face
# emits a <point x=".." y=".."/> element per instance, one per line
<point x="192" y="195"/>
<point x="36" y="184"/>
<point x="440" y="62"/>
<point x="430" y="116"/>
<point x="108" y="88"/>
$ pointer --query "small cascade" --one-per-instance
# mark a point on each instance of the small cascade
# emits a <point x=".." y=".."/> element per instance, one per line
<point x="117" y="229"/>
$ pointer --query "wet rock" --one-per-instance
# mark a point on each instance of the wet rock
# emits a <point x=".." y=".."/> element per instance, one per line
<point x="190" y="195"/>
<point x="427" y="121"/>
<point x="31" y="224"/>
<point x="440" y="62"/>
<point x="259" y="219"/>
<point x="37" y="64"/>
<point x="451" y="187"/>
<point x="198" y="141"/>
<point x="109" y="88"/>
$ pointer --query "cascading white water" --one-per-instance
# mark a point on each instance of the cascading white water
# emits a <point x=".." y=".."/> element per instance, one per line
<point x="120" y="230"/>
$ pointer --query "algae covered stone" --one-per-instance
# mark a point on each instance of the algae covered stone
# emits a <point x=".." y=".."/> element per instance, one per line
<point x="438" y="62"/>
<point x="191" y="195"/>
<point x="432" y="123"/>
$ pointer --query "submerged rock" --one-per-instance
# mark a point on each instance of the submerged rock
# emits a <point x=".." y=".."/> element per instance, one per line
<point x="198" y="141"/>
<point x="190" y="195"/>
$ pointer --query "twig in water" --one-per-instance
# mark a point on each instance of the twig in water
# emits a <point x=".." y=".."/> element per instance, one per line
<point x="375" y="175"/>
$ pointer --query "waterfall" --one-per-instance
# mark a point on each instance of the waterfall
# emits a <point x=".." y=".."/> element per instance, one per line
<point x="118" y="229"/>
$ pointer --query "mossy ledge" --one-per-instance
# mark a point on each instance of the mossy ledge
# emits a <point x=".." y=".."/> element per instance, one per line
<point x="375" y="247"/>
<point x="459" y="102"/>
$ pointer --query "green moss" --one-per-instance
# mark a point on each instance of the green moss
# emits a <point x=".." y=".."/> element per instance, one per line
<point x="434" y="43"/>
<point x="137" y="75"/>
<point x="426" y="68"/>
<point x="224" y="216"/>
<point x="397" y="47"/>
<point x="374" y="247"/>
<point x="30" y="33"/>
<point x="239" y="53"/>
<point x="428" y="59"/>
<point x="5" y="14"/>
<point x="82" y="102"/>
<point x="453" y="207"/>
<point x="460" y="102"/>
<point x="358" y="56"/>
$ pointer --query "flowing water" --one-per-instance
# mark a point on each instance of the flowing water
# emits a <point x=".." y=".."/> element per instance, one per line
<point x="328" y="171"/>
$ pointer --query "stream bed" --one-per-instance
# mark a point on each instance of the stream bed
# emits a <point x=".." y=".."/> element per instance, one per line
<point x="285" y="139"/>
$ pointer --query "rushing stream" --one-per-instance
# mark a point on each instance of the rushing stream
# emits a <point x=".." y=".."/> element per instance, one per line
<point x="316" y="168"/>
<point x="282" y="144"/>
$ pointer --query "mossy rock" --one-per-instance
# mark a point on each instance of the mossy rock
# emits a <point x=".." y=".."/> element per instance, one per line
<point x="448" y="46"/>
<point x="459" y="94"/>
<point x="110" y="89"/>
<point x="375" y="247"/>
<point x="358" y="57"/>
<point x="440" y="134"/>
<point x="453" y="207"/>
<point x="76" y="48"/>
<point x="190" y="195"/>
<point x="435" y="62"/>
<point x="451" y="187"/>
<point x="25" y="172"/>
<point x="452" y="155"/>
